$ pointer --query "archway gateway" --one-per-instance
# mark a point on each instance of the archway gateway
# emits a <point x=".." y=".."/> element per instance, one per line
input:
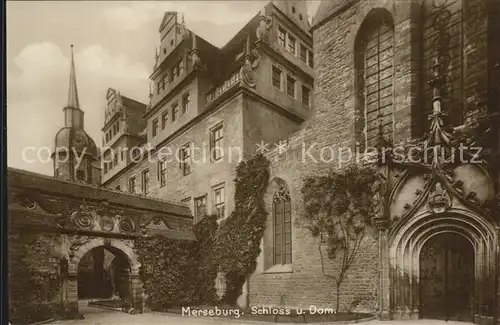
<point x="125" y="282"/>
<point x="443" y="267"/>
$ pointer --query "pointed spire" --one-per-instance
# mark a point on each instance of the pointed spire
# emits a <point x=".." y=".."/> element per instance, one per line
<point x="73" y="101"/>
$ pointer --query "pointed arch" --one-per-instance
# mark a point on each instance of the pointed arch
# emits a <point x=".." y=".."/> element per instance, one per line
<point x="374" y="80"/>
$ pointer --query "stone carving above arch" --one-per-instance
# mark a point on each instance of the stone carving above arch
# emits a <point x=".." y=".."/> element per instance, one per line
<point x="89" y="219"/>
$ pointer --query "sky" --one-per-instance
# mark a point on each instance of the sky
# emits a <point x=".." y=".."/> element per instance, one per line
<point x="114" y="46"/>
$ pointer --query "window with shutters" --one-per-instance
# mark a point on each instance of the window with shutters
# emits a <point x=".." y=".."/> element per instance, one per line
<point x="282" y="227"/>
<point x="375" y="80"/>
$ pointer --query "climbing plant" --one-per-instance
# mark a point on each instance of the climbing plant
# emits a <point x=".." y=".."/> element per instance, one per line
<point x="179" y="272"/>
<point x="238" y="239"/>
<point x="337" y="210"/>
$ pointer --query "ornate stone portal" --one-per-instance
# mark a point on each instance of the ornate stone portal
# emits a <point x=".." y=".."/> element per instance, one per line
<point x="444" y="190"/>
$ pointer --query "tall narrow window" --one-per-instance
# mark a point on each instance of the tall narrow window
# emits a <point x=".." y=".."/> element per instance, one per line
<point x="292" y="44"/>
<point x="145" y="181"/>
<point x="175" y="111"/>
<point x="155" y="126"/>
<point x="281" y="36"/>
<point x="303" y="53"/>
<point x="200" y="207"/>
<point x="290" y="86"/>
<point x="162" y="172"/>
<point x="219" y="201"/>
<point x="164" y="120"/>
<point x="185" y="155"/>
<point x="216" y="142"/>
<point x="185" y="102"/>
<point x="374" y="63"/>
<point x="282" y="225"/>
<point x="131" y="184"/>
<point x="310" y="58"/>
<point x="277" y="73"/>
<point x="306" y="96"/>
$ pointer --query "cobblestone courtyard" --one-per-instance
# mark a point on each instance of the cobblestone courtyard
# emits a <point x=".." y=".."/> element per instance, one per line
<point x="97" y="316"/>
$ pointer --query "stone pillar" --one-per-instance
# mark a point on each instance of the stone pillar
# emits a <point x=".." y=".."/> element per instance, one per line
<point x="137" y="293"/>
<point x="384" y="281"/>
<point x="71" y="305"/>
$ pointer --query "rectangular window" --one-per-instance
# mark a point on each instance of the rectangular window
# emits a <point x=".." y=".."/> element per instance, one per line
<point x="165" y="81"/>
<point x="291" y="46"/>
<point x="175" y="111"/>
<point x="80" y="175"/>
<point x="105" y="168"/>
<point x="310" y="58"/>
<point x="216" y="142"/>
<point x="164" y="120"/>
<point x="290" y="86"/>
<point x="185" y="102"/>
<point x="115" y="159"/>
<point x="158" y="87"/>
<point x="181" y="67"/>
<point x="117" y="127"/>
<point x="306" y="96"/>
<point x="131" y="184"/>
<point x="277" y="77"/>
<point x="145" y="181"/>
<point x="186" y="159"/>
<point x="200" y="207"/>
<point x="155" y="127"/>
<point x="281" y="36"/>
<point x="174" y="73"/>
<point x="162" y="172"/>
<point x="303" y="53"/>
<point x="219" y="201"/>
<point x="122" y="155"/>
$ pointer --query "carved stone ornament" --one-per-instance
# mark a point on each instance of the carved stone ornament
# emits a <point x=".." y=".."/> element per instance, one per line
<point x="379" y="189"/>
<point x="91" y="220"/>
<point x="264" y="27"/>
<point x="439" y="199"/>
<point x="247" y="70"/>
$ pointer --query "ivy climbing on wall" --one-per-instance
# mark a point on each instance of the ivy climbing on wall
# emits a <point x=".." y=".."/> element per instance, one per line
<point x="337" y="211"/>
<point x="179" y="272"/>
<point x="237" y="244"/>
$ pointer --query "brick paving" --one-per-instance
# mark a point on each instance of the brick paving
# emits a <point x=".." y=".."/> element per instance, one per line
<point x="98" y="316"/>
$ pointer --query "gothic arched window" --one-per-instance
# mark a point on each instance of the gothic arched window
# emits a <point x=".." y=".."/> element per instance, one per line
<point x="282" y="227"/>
<point x="374" y="59"/>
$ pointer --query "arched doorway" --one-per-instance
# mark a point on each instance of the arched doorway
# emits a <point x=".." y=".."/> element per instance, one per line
<point x="123" y="270"/>
<point x="104" y="274"/>
<point x="447" y="278"/>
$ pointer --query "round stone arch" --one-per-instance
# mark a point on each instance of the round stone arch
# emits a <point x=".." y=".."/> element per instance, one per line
<point x="125" y="249"/>
<point x="70" y="284"/>
<point x="405" y="245"/>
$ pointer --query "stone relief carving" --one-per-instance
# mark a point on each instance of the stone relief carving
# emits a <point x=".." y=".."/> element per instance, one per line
<point x="379" y="190"/>
<point x="439" y="199"/>
<point x="252" y="59"/>
<point x="264" y="27"/>
<point x="89" y="219"/>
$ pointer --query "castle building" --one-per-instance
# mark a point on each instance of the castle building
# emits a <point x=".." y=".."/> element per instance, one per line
<point x="210" y="106"/>
<point x="407" y="73"/>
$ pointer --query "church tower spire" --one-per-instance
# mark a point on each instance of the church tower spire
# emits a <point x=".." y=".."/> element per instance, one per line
<point x="73" y="90"/>
<point x="73" y="115"/>
<point x="75" y="155"/>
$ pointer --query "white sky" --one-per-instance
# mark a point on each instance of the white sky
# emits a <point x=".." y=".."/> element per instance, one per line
<point x="114" y="47"/>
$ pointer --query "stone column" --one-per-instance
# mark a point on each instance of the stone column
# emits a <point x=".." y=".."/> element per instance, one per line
<point x="384" y="281"/>
<point x="136" y="292"/>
